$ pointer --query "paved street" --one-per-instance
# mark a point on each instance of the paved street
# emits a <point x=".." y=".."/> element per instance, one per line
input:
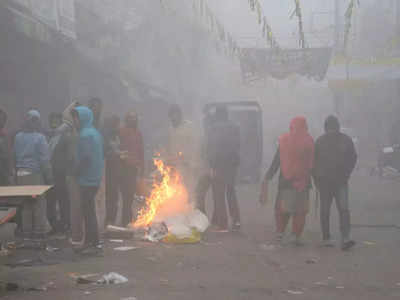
<point x="245" y="265"/>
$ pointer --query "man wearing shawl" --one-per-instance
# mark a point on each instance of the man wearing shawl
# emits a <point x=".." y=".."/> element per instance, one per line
<point x="295" y="159"/>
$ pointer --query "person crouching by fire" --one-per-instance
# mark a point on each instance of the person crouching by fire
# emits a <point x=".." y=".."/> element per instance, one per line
<point x="182" y="147"/>
<point x="132" y="163"/>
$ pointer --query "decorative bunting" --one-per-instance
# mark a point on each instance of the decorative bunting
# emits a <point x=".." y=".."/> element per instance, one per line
<point x="348" y="18"/>
<point x="214" y="26"/>
<point x="298" y="14"/>
<point x="255" y="5"/>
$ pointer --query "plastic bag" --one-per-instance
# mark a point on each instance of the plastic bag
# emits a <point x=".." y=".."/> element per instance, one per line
<point x="198" y="220"/>
<point x="178" y="226"/>
<point x="112" y="278"/>
<point x="194" y="238"/>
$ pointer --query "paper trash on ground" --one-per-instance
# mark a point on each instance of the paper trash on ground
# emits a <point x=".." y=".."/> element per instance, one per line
<point x="292" y="292"/>
<point x="125" y="248"/>
<point x="112" y="278"/>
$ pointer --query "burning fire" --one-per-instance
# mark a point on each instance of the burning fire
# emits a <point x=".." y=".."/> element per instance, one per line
<point x="168" y="197"/>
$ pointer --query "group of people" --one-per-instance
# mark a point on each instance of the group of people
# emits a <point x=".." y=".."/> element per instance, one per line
<point x="330" y="162"/>
<point x="79" y="149"/>
<point x="71" y="157"/>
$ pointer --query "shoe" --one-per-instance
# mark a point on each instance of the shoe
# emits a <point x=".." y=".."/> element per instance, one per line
<point x="279" y="237"/>
<point x="236" y="226"/>
<point x="92" y="250"/>
<point x="327" y="244"/>
<point x="218" y="229"/>
<point x="296" y="241"/>
<point x="348" y="245"/>
<point x="39" y="237"/>
<point x="57" y="235"/>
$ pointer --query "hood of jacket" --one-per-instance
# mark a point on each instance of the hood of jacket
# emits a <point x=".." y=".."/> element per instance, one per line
<point x="85" y="116"/>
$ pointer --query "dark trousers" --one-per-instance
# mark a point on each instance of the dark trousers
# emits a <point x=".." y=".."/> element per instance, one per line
<point x="341" y="196"/>
<point x="88" y="206"/>
<point x="202" y="187"/>
<point x="128" y="190"/>
<point x="119" y="178"/>
<point x="59" y="195"/>
<point x="224" y="190"/>
<point x="113" y="185"/>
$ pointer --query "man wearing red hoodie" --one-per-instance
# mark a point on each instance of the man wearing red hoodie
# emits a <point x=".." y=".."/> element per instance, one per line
<point x="132" y="166"/>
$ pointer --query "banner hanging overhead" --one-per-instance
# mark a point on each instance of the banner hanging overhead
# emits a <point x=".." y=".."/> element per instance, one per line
<point x="261" y="63"/>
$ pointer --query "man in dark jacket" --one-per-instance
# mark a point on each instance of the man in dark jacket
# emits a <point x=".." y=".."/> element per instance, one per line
<point x="335" y="160"/>
<point x="223" y="154"/>
<point x="5" y="157"/>
<point x="59" y="193"/>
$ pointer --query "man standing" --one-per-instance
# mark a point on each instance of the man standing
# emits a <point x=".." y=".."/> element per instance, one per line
<point x="113" y="167"/>
<point x="89" y="170"/>
<point x="96" y="106"/>
<point x="132" y="165"/>
<point x="335" y="160"/>
<point x="63" y="147"/>
<point x="205" y="181"/>
<point x="59" y="193"/>
<point x="223" y="155"/>
<point x="55" y="120"/>
<point x="5" y="157"/>
<point x="32" y="162"/>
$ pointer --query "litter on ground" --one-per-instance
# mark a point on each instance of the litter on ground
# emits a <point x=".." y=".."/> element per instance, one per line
<point x="295" y="292"/>
<point x="125" y="248"/>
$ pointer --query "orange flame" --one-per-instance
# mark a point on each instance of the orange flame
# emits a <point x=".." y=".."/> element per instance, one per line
<point x="168" y="197"/>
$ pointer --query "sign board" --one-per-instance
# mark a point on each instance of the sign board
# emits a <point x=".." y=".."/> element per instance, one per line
<point x="258" y="63"/>
<point x="24" y="190"/>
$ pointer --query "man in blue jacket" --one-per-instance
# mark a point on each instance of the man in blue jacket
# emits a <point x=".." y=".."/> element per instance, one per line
<point x="89" y="172"/>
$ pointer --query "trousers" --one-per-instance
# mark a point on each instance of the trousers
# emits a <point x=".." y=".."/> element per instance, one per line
<point x="59" y="194"/>
<point x="224" y="190"/>
<point x="88" y="206"/>
<point x="282" y="219"/>
<point x="33" y="214"/>
<point x="120" y="178"/>
<point x="202" y="187"/>
<point x="76" y="218"/>
<point x="341" y="196"/>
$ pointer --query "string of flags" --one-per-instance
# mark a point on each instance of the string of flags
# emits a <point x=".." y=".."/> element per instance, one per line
<point x="205" y="14"/>
<point x="348" y="18"/>
<point x="224" y="40"/>
<point x="255" y="6"/>
<point x="298" y="14"/>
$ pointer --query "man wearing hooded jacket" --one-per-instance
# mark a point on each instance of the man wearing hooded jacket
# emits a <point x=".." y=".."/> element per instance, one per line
<point x="335" y="160"/>
<point x="89" y="172"/>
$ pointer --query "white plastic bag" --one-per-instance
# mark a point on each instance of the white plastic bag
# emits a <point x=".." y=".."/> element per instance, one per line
<point x="179" y="226"/>
<point x="198" y="220"/>
<point x="112" y="278"/>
